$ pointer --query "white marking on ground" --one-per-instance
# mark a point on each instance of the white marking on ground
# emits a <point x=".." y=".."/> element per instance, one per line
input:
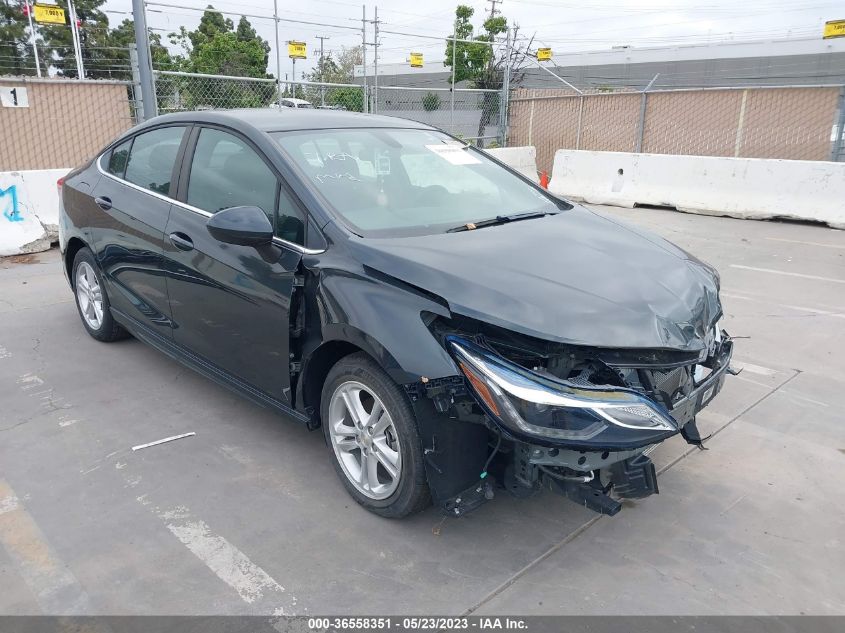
<point x="754" y="369"/>
<point x="788" y="274"/>
<point x="227" y="562"/>
<point x="753" y="382"/>
<point x="792" y="396"/>
<point x="8" y="503"/>
<point x="838" y="315"/>
<point x="29" y="381"/>
<point x="4" y="353"/>
<point x="780" y="239"/>
<point x="65" y="421"/>
<point x="49" y="579"/>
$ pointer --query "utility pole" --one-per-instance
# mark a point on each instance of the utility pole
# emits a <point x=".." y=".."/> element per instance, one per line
<point x="506" y="85"/>
<point x="364" y="50"/>
<point x="454" y="72"/>
<point x="493" y="10"/>
<point x="375" y="61"/>
<point x="145" y="67"/>
<point x="364" y="45"/>
<point x="278" y="52"/>
<point x="322" y="39"/>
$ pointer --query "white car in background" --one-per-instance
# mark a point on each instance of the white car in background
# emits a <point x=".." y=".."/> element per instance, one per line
<point x="290" y="102"/>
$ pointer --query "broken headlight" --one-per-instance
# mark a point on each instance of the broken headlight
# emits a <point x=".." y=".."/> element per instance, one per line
<point x="530" y="404"/>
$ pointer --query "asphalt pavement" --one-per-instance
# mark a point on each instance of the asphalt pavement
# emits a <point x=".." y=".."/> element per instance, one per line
<point x="248" y="516"/>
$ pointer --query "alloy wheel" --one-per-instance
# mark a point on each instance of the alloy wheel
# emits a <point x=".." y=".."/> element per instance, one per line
<point x="89" y="295"/>
<point x="365" y="440"/>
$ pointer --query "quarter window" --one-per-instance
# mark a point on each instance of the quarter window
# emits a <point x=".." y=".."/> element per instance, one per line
<point x="152" y="158"/>
<point x="118" y="158"/>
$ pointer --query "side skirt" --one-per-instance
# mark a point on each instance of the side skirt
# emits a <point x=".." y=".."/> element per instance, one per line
<point x="205" y="368"/>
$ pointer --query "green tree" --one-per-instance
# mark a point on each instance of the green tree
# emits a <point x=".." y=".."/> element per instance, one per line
<point x="16" y="56"/>
<point x="97" y="58"/>
<point x="216" y="47"/>
<point x="351" y="99"/>
<point x="430" y="102"/>
<point x="123" y="35"/>
<point x="338" y="68"/>
<point x="212" y="22"/>
<point x="476" y="63"/>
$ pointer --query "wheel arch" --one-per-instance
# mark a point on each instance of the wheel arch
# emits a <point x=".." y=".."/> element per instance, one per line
<point x="338" y="342"/>
<point x="74" y="245"/>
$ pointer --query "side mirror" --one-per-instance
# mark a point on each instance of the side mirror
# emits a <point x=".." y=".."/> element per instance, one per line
<point x="243" y="226"/>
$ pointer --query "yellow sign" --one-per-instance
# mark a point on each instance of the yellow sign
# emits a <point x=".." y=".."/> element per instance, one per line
<point x="416" y="60"/>
<point x="49" y="14"/>
<point x="296" y="50"/>
<point x="834" y="28"/>
<point x="544" y="54"/>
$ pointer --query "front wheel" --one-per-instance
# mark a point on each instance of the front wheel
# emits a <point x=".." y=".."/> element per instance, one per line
<point x="372" y="432"/>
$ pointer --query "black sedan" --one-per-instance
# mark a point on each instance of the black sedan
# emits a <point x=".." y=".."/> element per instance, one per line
<point x="453" y="328"/>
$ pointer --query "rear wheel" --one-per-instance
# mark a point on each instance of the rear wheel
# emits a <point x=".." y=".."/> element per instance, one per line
<point x="92" y="300"/>
<point x="371" y="430"/>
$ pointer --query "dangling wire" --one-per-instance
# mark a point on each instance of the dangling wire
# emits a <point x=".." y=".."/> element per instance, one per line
<point x="492" y="455"/>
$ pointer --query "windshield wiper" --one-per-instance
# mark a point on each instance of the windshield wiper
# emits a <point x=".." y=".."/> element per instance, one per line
<point x="499" y="219"/>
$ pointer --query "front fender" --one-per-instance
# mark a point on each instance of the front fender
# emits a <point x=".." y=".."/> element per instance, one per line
<point x="386" y="321"/>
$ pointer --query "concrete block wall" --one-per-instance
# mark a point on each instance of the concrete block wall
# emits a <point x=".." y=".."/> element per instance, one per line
<point x="752" y="188"/>
<point x="29" y="210"/>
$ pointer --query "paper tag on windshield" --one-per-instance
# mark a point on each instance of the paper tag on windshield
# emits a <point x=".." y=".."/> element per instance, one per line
<point x="455" y="153"/>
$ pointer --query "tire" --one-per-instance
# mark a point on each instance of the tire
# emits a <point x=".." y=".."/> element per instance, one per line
<point x="99" y="323"/>
<point x="390" y="440"/>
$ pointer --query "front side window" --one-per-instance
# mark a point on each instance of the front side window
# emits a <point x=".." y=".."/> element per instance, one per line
<point x="227" y="172"/>
<point x="151" y="159"/>
<point x="394" y="182"/>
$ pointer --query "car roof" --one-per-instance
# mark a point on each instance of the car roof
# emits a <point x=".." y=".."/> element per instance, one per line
<point x="284" y="119"/>
<point x="294" y="100"/>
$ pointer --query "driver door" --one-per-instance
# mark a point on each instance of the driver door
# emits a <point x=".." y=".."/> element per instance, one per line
<point x="230" y="303"/>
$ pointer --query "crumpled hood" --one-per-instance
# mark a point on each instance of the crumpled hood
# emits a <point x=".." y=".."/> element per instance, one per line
<point x="574" y="277"/>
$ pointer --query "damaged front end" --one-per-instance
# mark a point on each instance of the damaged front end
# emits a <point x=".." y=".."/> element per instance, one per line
<point x="579" y="421"/>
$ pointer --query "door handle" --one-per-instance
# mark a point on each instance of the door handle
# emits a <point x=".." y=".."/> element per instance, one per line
<point x="181" y="241"/>
<point x="103" y="203"/>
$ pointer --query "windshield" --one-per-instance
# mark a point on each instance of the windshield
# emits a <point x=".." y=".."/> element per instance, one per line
<point x="395" y="182"/>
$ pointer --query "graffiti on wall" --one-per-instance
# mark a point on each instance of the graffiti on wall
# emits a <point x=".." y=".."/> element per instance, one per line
<point x="9" y="204"/>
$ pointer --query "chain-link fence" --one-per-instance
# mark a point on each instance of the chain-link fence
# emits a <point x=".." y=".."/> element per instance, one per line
<point x="798" y="123"/>
<point x="54" y="123"/>
<point x="470" y="114"/>
<point x="180" y="91"/>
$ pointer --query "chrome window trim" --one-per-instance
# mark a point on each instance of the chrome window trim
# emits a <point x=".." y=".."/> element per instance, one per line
<point x="276" y="240"/>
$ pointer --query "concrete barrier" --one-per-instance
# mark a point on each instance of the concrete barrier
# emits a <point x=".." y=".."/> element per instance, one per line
<point x="752" y="188"/>
<point x="522" y="159"/>
<point x="29" y="210"/>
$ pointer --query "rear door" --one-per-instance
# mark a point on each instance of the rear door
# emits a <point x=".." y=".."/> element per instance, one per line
<point x="231" y="304"/>
<point x="134" y="194"/>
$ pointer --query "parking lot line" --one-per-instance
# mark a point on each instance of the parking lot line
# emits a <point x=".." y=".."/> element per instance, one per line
<point x="788" y="274"/>
<point x="226" y="561"/>
<point x="781" y="239"/>
<point x="50" y="580"/>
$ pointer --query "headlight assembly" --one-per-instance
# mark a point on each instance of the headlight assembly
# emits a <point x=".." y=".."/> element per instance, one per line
<point x="559" y="411"/>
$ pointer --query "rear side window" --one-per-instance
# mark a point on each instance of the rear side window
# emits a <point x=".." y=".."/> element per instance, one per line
<point x="152" y="158"/>
<point x="118" y="158"/>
